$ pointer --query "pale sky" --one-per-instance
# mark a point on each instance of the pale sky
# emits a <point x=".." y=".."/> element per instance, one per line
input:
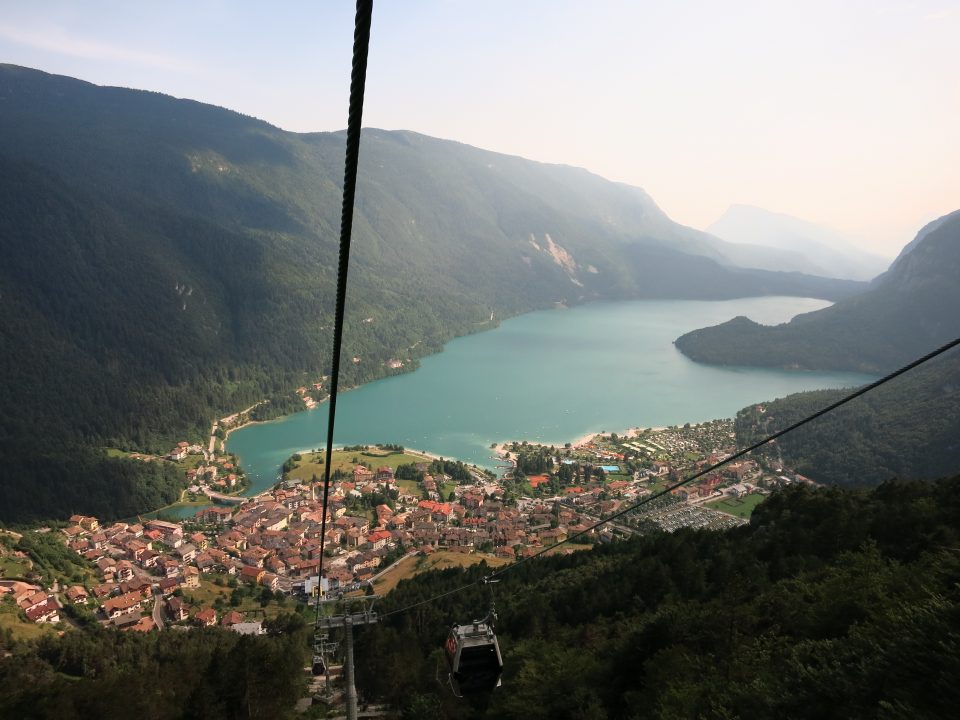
<point x="841" y="112"/>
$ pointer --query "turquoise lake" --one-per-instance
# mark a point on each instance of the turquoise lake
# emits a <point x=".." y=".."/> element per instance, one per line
<point x="548" y="376"/>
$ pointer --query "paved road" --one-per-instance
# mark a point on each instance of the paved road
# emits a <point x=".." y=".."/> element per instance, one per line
<point x="158" y="611"/>
<point x="391" y="566"/>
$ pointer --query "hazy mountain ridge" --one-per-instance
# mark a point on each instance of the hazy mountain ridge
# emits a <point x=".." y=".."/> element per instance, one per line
<point x="807" y="247"/>
<point x="165" y="261"/>
<point x="908" y="311"/>
<point x="924" y="231"/>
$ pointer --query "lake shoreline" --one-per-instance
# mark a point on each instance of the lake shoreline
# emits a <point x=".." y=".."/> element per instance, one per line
<point x="501" y="450"/>
<point x="370" y="446"/>
<point x="612" y="365"/>
<point x="227" y="433"/>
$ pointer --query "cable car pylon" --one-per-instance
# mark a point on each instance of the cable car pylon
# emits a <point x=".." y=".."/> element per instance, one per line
<point x="356" y="611"/>
<point x="323" y="651"/>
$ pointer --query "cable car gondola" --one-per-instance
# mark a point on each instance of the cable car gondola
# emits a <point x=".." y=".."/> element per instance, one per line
<point x="474" y="658"/>
<point x="319" y="667"/>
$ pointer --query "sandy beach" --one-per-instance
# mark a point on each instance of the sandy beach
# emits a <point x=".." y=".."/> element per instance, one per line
<point x="432" y="456"/>
<point x="584" y="439"/>
<point x="501" y="449"/>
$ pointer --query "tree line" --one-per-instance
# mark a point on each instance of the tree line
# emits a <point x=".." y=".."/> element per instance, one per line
<point x="207" y="673"/>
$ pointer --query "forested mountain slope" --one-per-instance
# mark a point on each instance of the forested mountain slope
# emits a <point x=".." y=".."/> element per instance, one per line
<point x="164" y="261"/>
<point x="908" y="429"/>
<point x="908" y="311"/>
<point x="830" y="604"/>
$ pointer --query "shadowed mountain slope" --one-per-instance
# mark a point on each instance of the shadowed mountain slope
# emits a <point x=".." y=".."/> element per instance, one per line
<point x="163" y="262"/>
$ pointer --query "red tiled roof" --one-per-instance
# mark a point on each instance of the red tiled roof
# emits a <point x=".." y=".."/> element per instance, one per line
<point x="231" y="618"/>
<point x="536" y="480"/>
<point x="434" y="506"/>
<point x="206" y="616"/>
<point x="44" y="608"/>
<point x="124" y="602"/>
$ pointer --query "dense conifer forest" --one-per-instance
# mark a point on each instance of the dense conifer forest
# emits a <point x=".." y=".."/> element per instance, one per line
<point x="206" y="674"/>
<point x="908" y="429"/>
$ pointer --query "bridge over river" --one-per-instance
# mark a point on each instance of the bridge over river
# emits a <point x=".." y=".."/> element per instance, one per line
<point x="224" y="499"/>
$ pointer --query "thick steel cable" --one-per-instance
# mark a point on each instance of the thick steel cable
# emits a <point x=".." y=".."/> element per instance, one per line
<point x="358" y="81"/>
<point x="666" y="491"/>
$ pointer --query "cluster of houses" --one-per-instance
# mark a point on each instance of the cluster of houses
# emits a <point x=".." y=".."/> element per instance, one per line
<point x="220" y="474"/>
<point x="658" y="460"/>
<point x="725" y="481"/>
<point x="143" y="564"/>
<point x="310" y="395"/>
<point x="669" y="455"/>
<point x="182" y="450"/>
<point x="274" y="540"/>
<point x="37" y="604"/>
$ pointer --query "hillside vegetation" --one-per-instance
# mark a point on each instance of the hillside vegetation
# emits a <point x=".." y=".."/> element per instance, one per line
<point x="830" y="604"/>
<point x="165" y="262"/>
<point x="907" y="429"/>
<point x="209" y="673"/>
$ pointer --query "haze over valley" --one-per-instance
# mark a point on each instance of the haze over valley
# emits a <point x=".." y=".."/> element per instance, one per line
<point x="589" y="461"/>
<point x="176" y="262"/>
<point x="802" y="246"/>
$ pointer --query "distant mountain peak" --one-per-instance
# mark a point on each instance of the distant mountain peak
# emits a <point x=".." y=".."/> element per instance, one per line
<point x="815" y="249"/>
<point x="924" y="232"/>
